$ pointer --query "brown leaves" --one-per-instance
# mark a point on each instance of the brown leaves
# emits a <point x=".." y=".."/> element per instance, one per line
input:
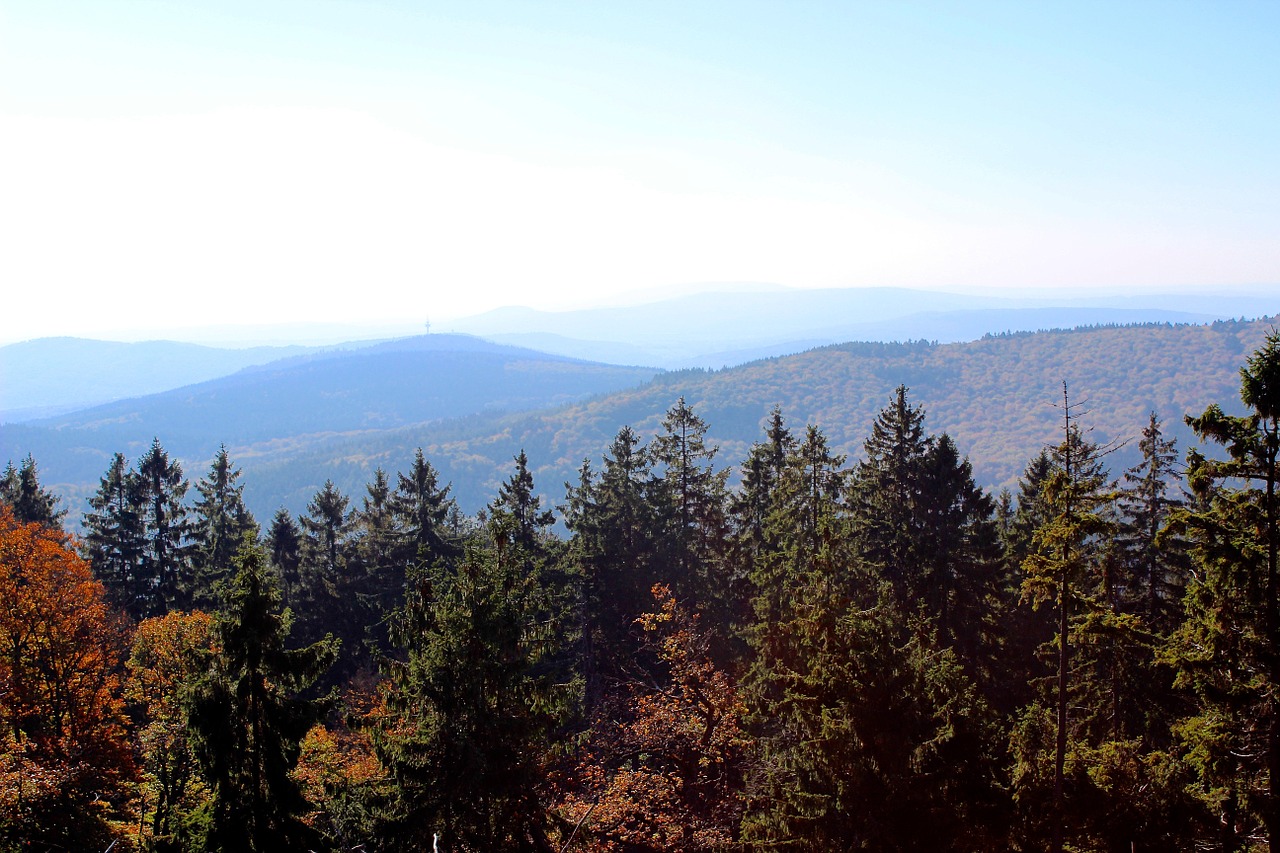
<point x="661" y="766"/>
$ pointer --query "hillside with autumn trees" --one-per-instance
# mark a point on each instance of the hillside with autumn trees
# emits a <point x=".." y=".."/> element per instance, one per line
<point x="700" y="648"/>
<point x="472" y="406"/>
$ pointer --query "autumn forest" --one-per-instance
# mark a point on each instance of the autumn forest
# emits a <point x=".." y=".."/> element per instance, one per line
<point x="812" y="655"/>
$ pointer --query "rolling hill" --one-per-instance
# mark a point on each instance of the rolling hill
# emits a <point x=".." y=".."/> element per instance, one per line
<point x="995" y="396"/>
<point x="268" y="410"/>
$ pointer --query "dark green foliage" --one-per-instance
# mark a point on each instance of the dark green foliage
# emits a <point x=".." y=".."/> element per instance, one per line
<point x="246" y="717"/>
<point x="31" y="503"/>
<point x="1227" y="651"/>
<point x="472" y="708"/>
<point x="690" y="501"/>
<point x="219" y="525"/>
<point x="425" y="516"/>
<point x="284" y="546"/>
<point x="114" y="539"/>
<point x="327" y="601"/>
<point x="1155" y="558"/>
<point x="615" y="553"/>
<point x="164" y="565"/>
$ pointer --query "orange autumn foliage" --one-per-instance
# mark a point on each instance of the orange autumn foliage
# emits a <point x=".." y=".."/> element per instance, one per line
<point x="65" y="760"/>
<point x="662" y="766"/>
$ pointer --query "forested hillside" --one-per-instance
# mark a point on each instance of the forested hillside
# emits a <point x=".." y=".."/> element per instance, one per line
<point x="828" y="655"/>
<point x="295" y="424"/>
<point x="995" y="397"/>
<point x="274" y="409"/>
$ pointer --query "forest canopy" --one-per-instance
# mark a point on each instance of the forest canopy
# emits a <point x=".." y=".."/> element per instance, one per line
<point x="783" y="651"/>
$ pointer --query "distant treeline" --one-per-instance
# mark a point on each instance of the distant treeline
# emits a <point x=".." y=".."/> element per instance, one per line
<point x="827" y="656"/>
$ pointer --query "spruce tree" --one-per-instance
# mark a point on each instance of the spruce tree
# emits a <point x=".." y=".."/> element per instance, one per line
<point x="472" y="706"/>
<point x="1078" y="756"/>
<point x="30" y="502"/>
<point x="614" y="548"/>
<point x="247" y="718"/>
<point x="114" y="537"/>
<point x="165" y="561"/>
<point x="1155" y="557"/>
<point x="424" y="512"/>
<point x="327" y="601"/>
<point x="1228" y="649"/>
<point x="690" y="500"/>
<point x="284" y="546"/>
<point x="220" y="522"/>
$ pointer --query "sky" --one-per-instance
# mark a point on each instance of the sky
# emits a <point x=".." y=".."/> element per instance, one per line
<point x="176" y="165"/>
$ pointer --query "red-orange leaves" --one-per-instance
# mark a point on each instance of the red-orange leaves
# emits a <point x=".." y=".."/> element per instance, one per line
<point x="65" y="762"/>
<point x="662" y="766"/>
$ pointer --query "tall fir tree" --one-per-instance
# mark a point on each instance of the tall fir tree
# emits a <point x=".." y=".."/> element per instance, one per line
<point x="247" y="719"/>
<point x="114" y="537"/>
<point x="1080" y="758"/>
<point x="613" y="545"/>
<point x="1227" y="651"/>
<point x="164" y="567"/>
<point x="1155" y="557"/>
<point x="218" y="527"/>
<point x="30" y="502"/>
<point x="284" y="547"/>
<point x="471" y="709"/>
<point x="425" y="513"/>
<point x="327" y="600"/>
<point x="691" y="500"/>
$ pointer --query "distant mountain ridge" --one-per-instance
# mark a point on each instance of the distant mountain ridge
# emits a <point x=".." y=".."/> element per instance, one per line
<point x="49" y="376"/>
<point x="995" y="396"/>
<point x="711" y="329"/>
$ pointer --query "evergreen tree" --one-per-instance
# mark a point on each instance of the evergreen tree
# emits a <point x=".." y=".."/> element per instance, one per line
<point x="30" y="502"/>
<point x="327" y="601"/>
<point x="690" y="500"/>
<point x="518" y="511"/>
<point x="1088" y="792"/>
<point x="424" y="511"/>
<point x="164" y="564"/>
<point x="1155" y="557"/>
<point x="886" y="493"/>
<point x="221" y="520"/>
<point x="1228" y="649"/>
<point x="922" y="522"/>
<point x="246" y="717"/>
<point x="471" y="709"/>
<point x="377" y="548"/>
<point x="114" y="537"/>
<point x="749" y="510"/>
<point x="284" y="544"/>
<point x="614" y="550"/>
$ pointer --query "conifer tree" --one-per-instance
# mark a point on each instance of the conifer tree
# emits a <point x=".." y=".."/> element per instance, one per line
<point x="1228" y="649"/>
<point x="377" y="548"/>
<point x="690" y="500"/>
<point x="749" y="510"/>
<point x="221" y="520"/>
<point x="886" y="492"/>
<point x="246" y="717"/>
<point x="1155" y="557"/>
<point x="327" y="600"/>
<point x="1085" y="794"/>
<point x="614" y="548"/>
<point x="471" y="708"/>
<point x="114" y="537"/>
<point x="920" y="519"/>
<point x="284" y="546"/>
<point x="424" y="510"/>
<point x="518" y="512"/>
<point x="30" y="502"/>
<point x="165" y="561"/>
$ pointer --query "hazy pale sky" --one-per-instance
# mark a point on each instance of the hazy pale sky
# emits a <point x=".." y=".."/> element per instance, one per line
<point x="193" y="163"/>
